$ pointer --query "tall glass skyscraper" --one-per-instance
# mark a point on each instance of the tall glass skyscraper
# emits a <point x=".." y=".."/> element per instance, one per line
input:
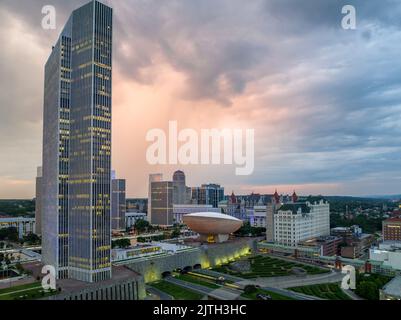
<point x="77" y="147"/>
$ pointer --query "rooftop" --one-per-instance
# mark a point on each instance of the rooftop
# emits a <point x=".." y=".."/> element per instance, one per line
<point x="119" y="273"/>
<point x="294" y="207"/>
<point x="393" y="288"/>
<point x="393" y="220"/>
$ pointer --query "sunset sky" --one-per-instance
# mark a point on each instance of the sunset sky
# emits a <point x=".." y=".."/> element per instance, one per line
<point x="325" y="102"/>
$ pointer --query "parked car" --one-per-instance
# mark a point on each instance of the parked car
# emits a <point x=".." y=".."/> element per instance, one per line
<point x="262" y="296"/>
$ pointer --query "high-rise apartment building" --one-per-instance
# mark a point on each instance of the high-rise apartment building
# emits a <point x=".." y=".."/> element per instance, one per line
<point x="118" y="204"/>
<point x="38" y="202"/>
<point x="77" y="147"/>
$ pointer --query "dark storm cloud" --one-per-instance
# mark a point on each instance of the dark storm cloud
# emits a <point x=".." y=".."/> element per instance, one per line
<point x="342" y="87"/>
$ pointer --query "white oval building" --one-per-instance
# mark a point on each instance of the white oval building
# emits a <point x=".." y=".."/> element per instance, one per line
<point x="212" y="227"/>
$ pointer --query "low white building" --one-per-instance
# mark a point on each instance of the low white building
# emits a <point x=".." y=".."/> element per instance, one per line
<point x="132" y="217"/>
<point x="23" y="225"/>
<point x="147" y="250"/>
<point x="295" y="222"/>
<point x="179" y="210"/>
<point x="392" y="290"/>
<point x="386" y="257"/>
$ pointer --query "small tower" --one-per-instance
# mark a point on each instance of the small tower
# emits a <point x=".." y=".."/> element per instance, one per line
<point x="294" y="197"/>
<point x="276" y="197"/>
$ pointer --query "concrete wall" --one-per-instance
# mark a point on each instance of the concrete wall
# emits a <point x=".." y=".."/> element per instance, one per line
<point x="128" y="290"/>
<point x="207" y="256"/>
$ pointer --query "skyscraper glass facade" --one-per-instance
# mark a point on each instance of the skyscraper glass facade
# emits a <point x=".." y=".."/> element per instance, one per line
<point x="56" y="139"/>
<point x="78" y="95"/>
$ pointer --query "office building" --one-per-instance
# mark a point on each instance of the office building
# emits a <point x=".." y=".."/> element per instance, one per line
<point x="76" y="219"/>
<point x="392" y="229"/>
<point x="258" y="217"/>
<point x="162" y="203"/>
<point x="118" y="204"/>
<point x="208" y="194"/>
<point x="38" y="201"/>
<point x="132" y="217"/>
<point x="295" y="222"/>
<point x="328" y="245"/>
<point x="181" y="194"/>
<point x="180" y="210"/>
<point x="386" y="258"/>
<point x="158" y="177"/>
<point x="355" y="243"/>
<point x="55" y="168"/>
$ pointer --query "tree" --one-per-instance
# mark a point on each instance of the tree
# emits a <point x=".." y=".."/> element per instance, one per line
<point x="10" y="234"/>
<point x="368" y="290"/>
<point x="249" y="289"/>
<point x="121" y="243"/>
<point x="176" y="233"/>
<point x="141" y="226"/>
<point x="31" y="239"/>
<point x="19" y="267"/>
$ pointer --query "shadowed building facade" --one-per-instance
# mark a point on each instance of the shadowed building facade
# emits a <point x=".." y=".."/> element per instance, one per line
<point x="118" y="204"/>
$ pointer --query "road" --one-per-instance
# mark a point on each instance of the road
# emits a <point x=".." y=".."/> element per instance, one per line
<point x="295" y="281"/>
<point x="162" y="295"/>
<point x="220" y="294"/>
<point x="242" y="283"/>
<point x="279" y="284"/>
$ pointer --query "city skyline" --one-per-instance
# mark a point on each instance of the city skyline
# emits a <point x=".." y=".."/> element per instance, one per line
<point x="326" y="120"/>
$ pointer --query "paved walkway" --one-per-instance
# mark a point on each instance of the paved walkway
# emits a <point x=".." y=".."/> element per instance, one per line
<point x="240" y="282"/>
<point x="220" y="294"/>
<point x="294" y="281"/>
<point x="280" y="282"/>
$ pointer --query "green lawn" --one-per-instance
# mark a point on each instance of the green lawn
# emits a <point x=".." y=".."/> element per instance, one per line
<point x="196" y="280"/>
<point x="262" y="266"/>
<point x="329" y="291"/>
<point x="30" y="291"/>
<point x="275" y="296"/>
<point x="177" y="292"/>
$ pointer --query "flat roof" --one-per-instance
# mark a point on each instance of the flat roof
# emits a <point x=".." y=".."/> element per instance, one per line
<point x="119" y="273"/>
<point x="393" y="288"/>
<point x="16" y="219"/>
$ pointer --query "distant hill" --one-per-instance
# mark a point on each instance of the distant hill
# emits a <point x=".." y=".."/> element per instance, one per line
<point x="388" y="197"/>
